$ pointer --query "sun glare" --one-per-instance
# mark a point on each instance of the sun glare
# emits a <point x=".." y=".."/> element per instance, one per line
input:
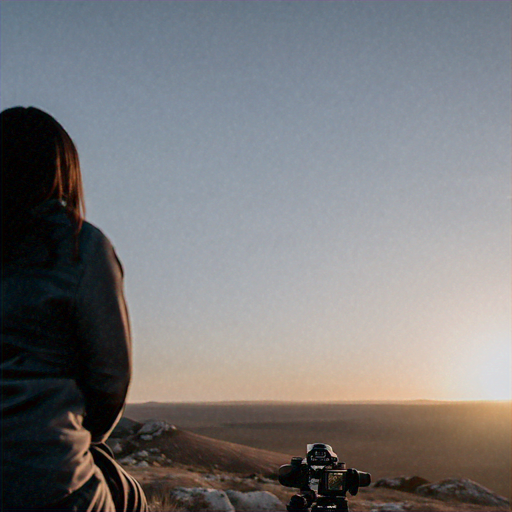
<point x="489" y="372"/>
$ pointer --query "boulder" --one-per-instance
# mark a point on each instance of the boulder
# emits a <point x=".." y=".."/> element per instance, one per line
<point x="401" y="483"/>
<point x="122" y="447"/>
<point x="463" y="490"/>
<point x="154" y="428"/>
<point x="198" y="498"/>
<point x="116" y="446"/>
<point x="263" y="501"/>
<point x="391" y="507"/>
<point x="127" y="461"/>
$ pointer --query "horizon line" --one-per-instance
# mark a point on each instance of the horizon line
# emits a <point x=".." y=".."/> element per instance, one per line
<point x="319" y="402"/>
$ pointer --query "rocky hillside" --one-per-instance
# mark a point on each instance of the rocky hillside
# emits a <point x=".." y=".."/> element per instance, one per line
<point x="159" y="444"/>
<point x="183" y="471"/>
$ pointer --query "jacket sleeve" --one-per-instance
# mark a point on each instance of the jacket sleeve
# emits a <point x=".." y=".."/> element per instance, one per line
<point x="104" y="344"/>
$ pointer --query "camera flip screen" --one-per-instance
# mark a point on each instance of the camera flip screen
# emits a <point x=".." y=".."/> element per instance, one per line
<point x="335" y="480"/>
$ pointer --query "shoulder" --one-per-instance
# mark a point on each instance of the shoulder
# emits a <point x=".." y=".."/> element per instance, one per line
<point x="91" y="237"/>
<point x="96" y="247"/>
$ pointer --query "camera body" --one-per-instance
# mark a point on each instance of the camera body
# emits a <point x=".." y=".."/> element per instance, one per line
<point x="323" y="480"/>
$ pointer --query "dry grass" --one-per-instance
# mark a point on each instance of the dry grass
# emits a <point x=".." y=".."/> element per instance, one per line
<point x="159" y="482"/>
<point x="159" y="498"/>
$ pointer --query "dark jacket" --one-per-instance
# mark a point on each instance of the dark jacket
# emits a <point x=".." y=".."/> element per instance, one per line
<point x="65" y="357"/>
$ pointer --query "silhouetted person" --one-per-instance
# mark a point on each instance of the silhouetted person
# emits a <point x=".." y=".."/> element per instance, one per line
<point x="66" y="350"/>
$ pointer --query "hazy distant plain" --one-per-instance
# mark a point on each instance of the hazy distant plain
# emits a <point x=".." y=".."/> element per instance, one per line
<point x="434" y="440"/>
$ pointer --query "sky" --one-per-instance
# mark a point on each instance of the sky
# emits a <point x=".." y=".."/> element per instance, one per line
<point x="311" y="200"/>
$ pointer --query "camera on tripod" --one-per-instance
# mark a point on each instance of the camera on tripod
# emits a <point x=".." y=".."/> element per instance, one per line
<point x="322" y="480"/>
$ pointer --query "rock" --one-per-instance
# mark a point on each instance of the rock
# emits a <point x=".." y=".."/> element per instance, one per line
<point x="143" y="454"/>
<point x="142" y="464"/>
<point x="401" y="483"/>
<point x="198" y="498"/>
<point x="146" y="437"/>
<point x="391" y="507"/>
<point x="463" y="490"/>
<point x="122" y="447"/>
<point x="255" y="500"/>
<point x="115" y="445"/>
<point x="127" y="461"/>
<point x="154" y="428"/>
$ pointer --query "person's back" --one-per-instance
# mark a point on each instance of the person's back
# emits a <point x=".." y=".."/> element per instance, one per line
<point x="65" y="354"/>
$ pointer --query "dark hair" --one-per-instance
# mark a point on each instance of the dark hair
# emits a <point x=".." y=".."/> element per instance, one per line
<point x="39" y="162"/>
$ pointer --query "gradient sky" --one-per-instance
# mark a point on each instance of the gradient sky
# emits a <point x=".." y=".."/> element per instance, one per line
<point x="311" y="200"/>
